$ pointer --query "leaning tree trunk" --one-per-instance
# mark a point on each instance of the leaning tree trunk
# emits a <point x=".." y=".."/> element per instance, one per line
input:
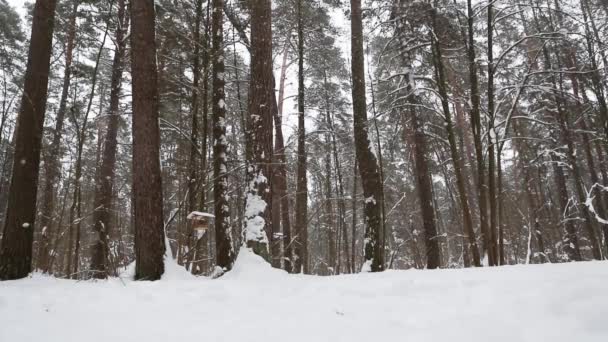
<point x="258" y="212"/>
<point x="368" y="164"/>
<point x="223" y="234"/>
<point x="16" y="248"/>
<point x="147" y="182"/>
<point x="105" y="176"/>
<point x="53" y="167"/>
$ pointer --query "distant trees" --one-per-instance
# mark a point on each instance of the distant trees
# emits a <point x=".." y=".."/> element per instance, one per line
<point x="104" y="187"/>
<point x="18" y="230"/>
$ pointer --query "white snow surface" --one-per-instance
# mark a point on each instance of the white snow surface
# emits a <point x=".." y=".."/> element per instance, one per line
<point x="566" y="302"/>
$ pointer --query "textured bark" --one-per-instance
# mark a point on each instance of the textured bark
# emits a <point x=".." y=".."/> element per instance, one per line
<point x="300" y="239"/>
<point x="16" y="248"/>
<point x="147" y="183"/>
<point x="223" y="234"/>
<point x="104" y="189"/>
<point x="261" y="95"/>
<point x="368" y="164"/>
<point x="52" y="159"/>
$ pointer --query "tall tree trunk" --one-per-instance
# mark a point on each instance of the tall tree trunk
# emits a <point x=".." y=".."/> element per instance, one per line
<point x="223" y="233"/>
<point x="258" y="209"/>
<point x="492" y="248"/>
<point x="194" y="104"/>
<point x="300" y="239"/>
<point x="280" y="179"/>
<point x="475" y="117"/>
<point x="18" y="233"/>
<point x="456" y="159"/>
<point x="147" y="182"/>
<point x="52" y="160"/>
<point x="104" y="189"/>
<point x="368" y="164"/>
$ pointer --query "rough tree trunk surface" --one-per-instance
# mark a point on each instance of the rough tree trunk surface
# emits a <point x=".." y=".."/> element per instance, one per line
<point x="16" y="249"/>
<point x="368" y="164"/>
<point x="147" y="184"/>
<point x="53" y="168"/>
<point x="223" y="233"/>
<point x="261" y="95"/>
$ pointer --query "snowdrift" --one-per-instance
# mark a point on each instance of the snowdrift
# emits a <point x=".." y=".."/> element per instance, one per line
<point x="254" y="302"/>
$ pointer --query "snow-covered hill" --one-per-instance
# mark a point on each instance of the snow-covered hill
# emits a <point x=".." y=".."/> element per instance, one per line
<point x="567" y="302"/>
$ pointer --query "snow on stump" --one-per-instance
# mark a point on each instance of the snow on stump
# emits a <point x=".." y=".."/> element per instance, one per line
<point x="200" y="223"/>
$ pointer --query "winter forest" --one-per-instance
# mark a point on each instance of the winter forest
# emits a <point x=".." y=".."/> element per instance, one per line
<point x="210" y="140"/>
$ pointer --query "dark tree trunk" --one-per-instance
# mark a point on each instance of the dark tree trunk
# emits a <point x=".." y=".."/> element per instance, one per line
<point x="258" y="209"/>
<point x="147" y="182"/>
<point x="104" y="188"/>
<point x="368" y="164"/>
<point x="194" y="134"/>
<point x="300" y="239"/>
<point x="223" y="234"/>
<point x="424" y="189"/>
<point x="52" y="159"/>
<point x="475" y="117"/>
<point x="16" y="249"/>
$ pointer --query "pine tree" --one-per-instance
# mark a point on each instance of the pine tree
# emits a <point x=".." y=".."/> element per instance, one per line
<point x="147" y="182"/>
<point x="16" y="249"/>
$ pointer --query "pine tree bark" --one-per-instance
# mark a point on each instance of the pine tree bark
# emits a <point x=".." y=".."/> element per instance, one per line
<point x="147" y="182"/>
<point x="52" y="160"/>
<point x="368" y="164"/>
<point x="104" y="189"/>
<point x="258" y="207"/>
<point x="223" y="230"/>
<point x="16" y="249"/>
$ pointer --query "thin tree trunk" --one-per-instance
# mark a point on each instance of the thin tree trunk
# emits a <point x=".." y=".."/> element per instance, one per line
<point x="104" y="188"/>
<point x="368" y="164"/>
<point x="280" y="181"/>
<point x="475" y="117"/>
<point x="301" y="227"/>
<point x="456" y="160"/>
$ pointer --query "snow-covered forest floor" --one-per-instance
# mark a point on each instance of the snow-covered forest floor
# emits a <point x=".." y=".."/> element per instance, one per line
<point x="566" y="302"/>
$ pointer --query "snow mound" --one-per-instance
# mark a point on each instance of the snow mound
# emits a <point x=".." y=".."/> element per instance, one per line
<point x="249" y="265"/>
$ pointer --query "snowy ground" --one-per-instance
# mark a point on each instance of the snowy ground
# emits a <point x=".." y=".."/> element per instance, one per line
<point x="255" y="303"/>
